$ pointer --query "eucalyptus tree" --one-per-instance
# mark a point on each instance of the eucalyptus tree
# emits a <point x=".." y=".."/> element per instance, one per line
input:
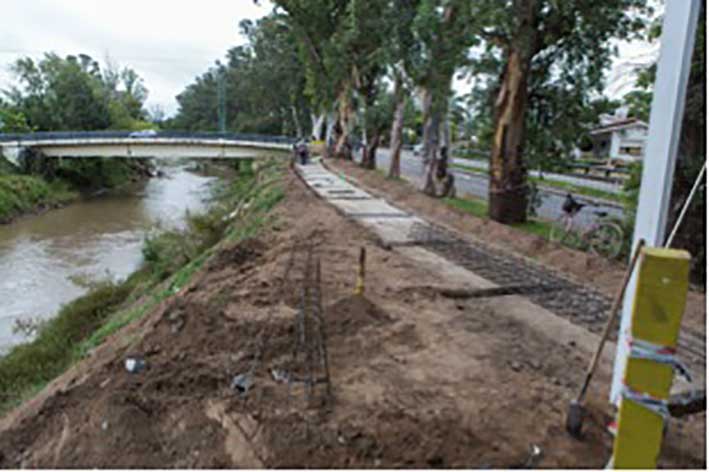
<point x="316" y="24"/>
<point x="568" y="41"/>
<point x="361" y="48"/>
<point x="259" y="88"/>
<point x="443" y="32"/>
<point x="400" y="57"/>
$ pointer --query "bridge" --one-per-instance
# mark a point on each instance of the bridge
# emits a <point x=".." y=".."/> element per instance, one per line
<point x="164" y="144"/>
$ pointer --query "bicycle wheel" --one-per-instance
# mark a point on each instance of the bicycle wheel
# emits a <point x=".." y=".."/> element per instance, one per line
<point x="606" y="240"/>
<point x="561" y="232"/>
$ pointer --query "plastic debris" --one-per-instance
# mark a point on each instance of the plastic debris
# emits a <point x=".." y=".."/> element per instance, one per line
<point x="241" y="383"/>
<point x="535" y="455"/>
<point x="280" y="375"/>
<point x="135" y="365"/>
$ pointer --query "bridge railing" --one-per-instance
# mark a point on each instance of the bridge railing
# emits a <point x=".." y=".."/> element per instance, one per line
<point x="68" y="135"/>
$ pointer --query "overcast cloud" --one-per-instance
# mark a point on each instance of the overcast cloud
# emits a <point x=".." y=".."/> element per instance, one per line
<point x="167" y="42"/>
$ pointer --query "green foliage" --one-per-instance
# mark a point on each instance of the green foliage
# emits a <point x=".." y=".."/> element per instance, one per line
<point x="263" y="82"/>
<point x="22" y="193"/>
<point x="74" y="94"/>
<point x="93" y="173"/>
<point x="52" y="351"/>
<point x="12" y="120"/>
<point x="569" y="50"/>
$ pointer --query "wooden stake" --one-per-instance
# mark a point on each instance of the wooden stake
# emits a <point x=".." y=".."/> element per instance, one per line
<point x="359" y="288"/>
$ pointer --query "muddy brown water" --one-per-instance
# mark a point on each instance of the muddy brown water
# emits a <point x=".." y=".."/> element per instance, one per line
<point x="50" y="259"/>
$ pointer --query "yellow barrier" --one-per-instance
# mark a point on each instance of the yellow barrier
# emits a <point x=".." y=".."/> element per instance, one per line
<point x="663" y="280"/>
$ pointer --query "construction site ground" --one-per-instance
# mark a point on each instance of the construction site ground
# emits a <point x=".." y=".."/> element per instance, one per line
<point x="418" y="378"/>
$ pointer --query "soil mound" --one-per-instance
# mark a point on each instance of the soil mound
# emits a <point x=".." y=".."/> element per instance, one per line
<point x="350" y="314"/>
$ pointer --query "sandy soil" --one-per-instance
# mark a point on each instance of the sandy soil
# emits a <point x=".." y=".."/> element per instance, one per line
<point x="418" y="380"/>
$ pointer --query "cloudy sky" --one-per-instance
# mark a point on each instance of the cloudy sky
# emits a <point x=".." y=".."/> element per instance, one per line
<point x="167" y="42"/>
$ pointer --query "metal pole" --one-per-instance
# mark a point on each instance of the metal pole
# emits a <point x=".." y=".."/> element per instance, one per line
<point x="677" y="45"/>
<point x="221" y="100"/>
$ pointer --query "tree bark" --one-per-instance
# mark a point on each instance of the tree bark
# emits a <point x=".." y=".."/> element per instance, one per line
<point x="342" y="148"/>
<point x="397" y="128"/>
<point x="370" y="151"/>
<point x="296" y="121"/>
<point x="508" y="174"/>
<point x="318" y="125"/>
<point x="508" y="192"/>
<point x="330" y="134"/>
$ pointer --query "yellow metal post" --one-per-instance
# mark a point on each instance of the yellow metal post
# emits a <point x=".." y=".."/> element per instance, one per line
<point x="660" y="296"/>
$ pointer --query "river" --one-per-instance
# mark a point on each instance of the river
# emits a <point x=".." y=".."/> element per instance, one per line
<point x="50" y="259"/>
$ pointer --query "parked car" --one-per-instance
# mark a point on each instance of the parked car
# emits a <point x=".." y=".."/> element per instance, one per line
<point x="418" y="149"/>
<point x="146" y="133"/>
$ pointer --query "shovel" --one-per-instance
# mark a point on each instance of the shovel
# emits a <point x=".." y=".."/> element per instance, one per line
<point x="576" y="413"/>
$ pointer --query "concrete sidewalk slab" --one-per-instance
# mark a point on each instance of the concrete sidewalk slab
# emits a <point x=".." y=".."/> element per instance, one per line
<point x="375" y="207"/>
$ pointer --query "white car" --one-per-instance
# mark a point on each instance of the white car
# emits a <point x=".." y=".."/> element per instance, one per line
<point x="147" y="133"/>
<point x="418" y="149"/>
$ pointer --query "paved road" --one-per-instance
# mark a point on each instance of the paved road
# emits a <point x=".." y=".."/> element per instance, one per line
<point x="570" y="179"/>
<point x="477" y="185"/>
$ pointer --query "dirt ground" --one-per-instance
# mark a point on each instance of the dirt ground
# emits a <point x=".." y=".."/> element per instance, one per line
<point x="417" y="380"/>
<point x="603" y="274"/>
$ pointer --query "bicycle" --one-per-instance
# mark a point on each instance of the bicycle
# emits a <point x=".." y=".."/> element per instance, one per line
<point x="604" y="237"/>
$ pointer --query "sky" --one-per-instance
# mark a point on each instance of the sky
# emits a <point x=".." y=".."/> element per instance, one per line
<point x="168" y="42"/>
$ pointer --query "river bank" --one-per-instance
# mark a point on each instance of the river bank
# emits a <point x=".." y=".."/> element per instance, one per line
<point x="52" y="184"/>
<point x="23" y="194"/>
<point x="170" y="258"/>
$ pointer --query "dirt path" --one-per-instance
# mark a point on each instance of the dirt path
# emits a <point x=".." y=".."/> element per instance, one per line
<point x="418" y="380"/>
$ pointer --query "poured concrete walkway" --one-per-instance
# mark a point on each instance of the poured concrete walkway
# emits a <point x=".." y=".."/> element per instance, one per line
<point x="392" y="225"/>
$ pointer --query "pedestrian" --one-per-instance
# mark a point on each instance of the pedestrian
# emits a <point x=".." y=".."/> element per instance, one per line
<point x="303" y="152"/>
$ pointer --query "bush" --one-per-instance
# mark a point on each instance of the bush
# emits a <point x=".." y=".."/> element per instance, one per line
<point x="49" y="354"/>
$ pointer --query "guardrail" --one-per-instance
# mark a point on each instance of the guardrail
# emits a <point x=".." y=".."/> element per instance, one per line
<point x="59" y="135"/>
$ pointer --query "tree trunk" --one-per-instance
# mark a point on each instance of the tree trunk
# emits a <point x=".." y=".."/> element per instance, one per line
<point x="330" y="136"/>
<point x="318" y="125"/>
<point x="370" y="150"/>
<point x="431" y="136"/>
<point x="364" y="134"/>
<point x="397" y="128"/>
<point x="342" y="148"/>
<point x="508" y="174"/>
<point x="508" y="190"/>
<point x="296" y="121"/>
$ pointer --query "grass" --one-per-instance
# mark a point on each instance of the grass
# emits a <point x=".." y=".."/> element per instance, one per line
<point x="479" y="209"/>
<point x="24" y="193"/>
<point x="385" y="174"/>
<point x="33" y="364"/>
<point x="576" y="189"/>
<point x="172" y="259"/>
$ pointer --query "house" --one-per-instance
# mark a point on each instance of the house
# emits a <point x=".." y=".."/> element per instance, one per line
<point x="619" y="139"/>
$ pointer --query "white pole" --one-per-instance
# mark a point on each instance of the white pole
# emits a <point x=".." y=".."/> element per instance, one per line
<point x="677" y="44"/>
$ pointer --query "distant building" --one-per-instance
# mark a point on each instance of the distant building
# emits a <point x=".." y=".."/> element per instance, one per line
<point x="619" y="139"/>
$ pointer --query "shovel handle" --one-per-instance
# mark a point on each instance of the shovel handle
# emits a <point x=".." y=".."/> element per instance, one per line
<point x="611" y="318"/>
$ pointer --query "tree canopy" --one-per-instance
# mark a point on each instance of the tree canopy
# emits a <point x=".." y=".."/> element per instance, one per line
<point x="263" y="83"/>
<point x="74" y="93"/>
